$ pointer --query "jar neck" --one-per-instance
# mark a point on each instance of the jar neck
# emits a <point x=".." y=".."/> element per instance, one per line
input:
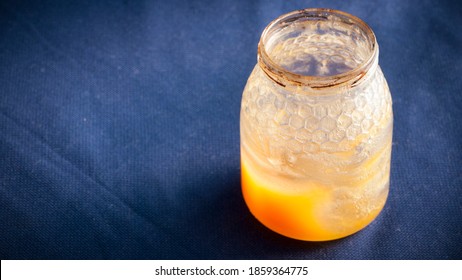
<point x="321" y="49"/>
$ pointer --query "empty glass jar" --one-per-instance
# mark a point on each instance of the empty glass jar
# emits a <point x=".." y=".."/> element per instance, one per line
<point x="316" y="127"/>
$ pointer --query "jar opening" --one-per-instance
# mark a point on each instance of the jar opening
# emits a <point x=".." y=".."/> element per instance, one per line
<point x="317" y="48"/>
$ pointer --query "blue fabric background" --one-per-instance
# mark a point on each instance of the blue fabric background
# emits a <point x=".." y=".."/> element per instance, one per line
<point x="119" y="130"/>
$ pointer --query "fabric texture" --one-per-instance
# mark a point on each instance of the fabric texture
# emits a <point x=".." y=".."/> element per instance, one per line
<point x="119" y="130"/>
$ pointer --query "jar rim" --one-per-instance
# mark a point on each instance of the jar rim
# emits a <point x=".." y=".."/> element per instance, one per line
<point x="285" y="77"/>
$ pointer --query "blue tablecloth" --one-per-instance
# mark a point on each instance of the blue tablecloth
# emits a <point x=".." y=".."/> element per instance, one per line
<point x="119" y="130"/>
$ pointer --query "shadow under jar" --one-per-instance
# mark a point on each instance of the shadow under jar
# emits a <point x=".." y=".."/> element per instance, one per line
<point x="316" y="127"/>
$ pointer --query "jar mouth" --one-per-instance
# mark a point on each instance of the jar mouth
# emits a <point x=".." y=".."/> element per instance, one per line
<point x="317" y="48"/>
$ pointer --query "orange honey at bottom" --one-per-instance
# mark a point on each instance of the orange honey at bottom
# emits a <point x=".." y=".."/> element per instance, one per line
<point x="303" y="209"/>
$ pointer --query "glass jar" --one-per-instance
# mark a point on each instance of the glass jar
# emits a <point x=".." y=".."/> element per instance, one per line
<point x="316" y="127"/>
